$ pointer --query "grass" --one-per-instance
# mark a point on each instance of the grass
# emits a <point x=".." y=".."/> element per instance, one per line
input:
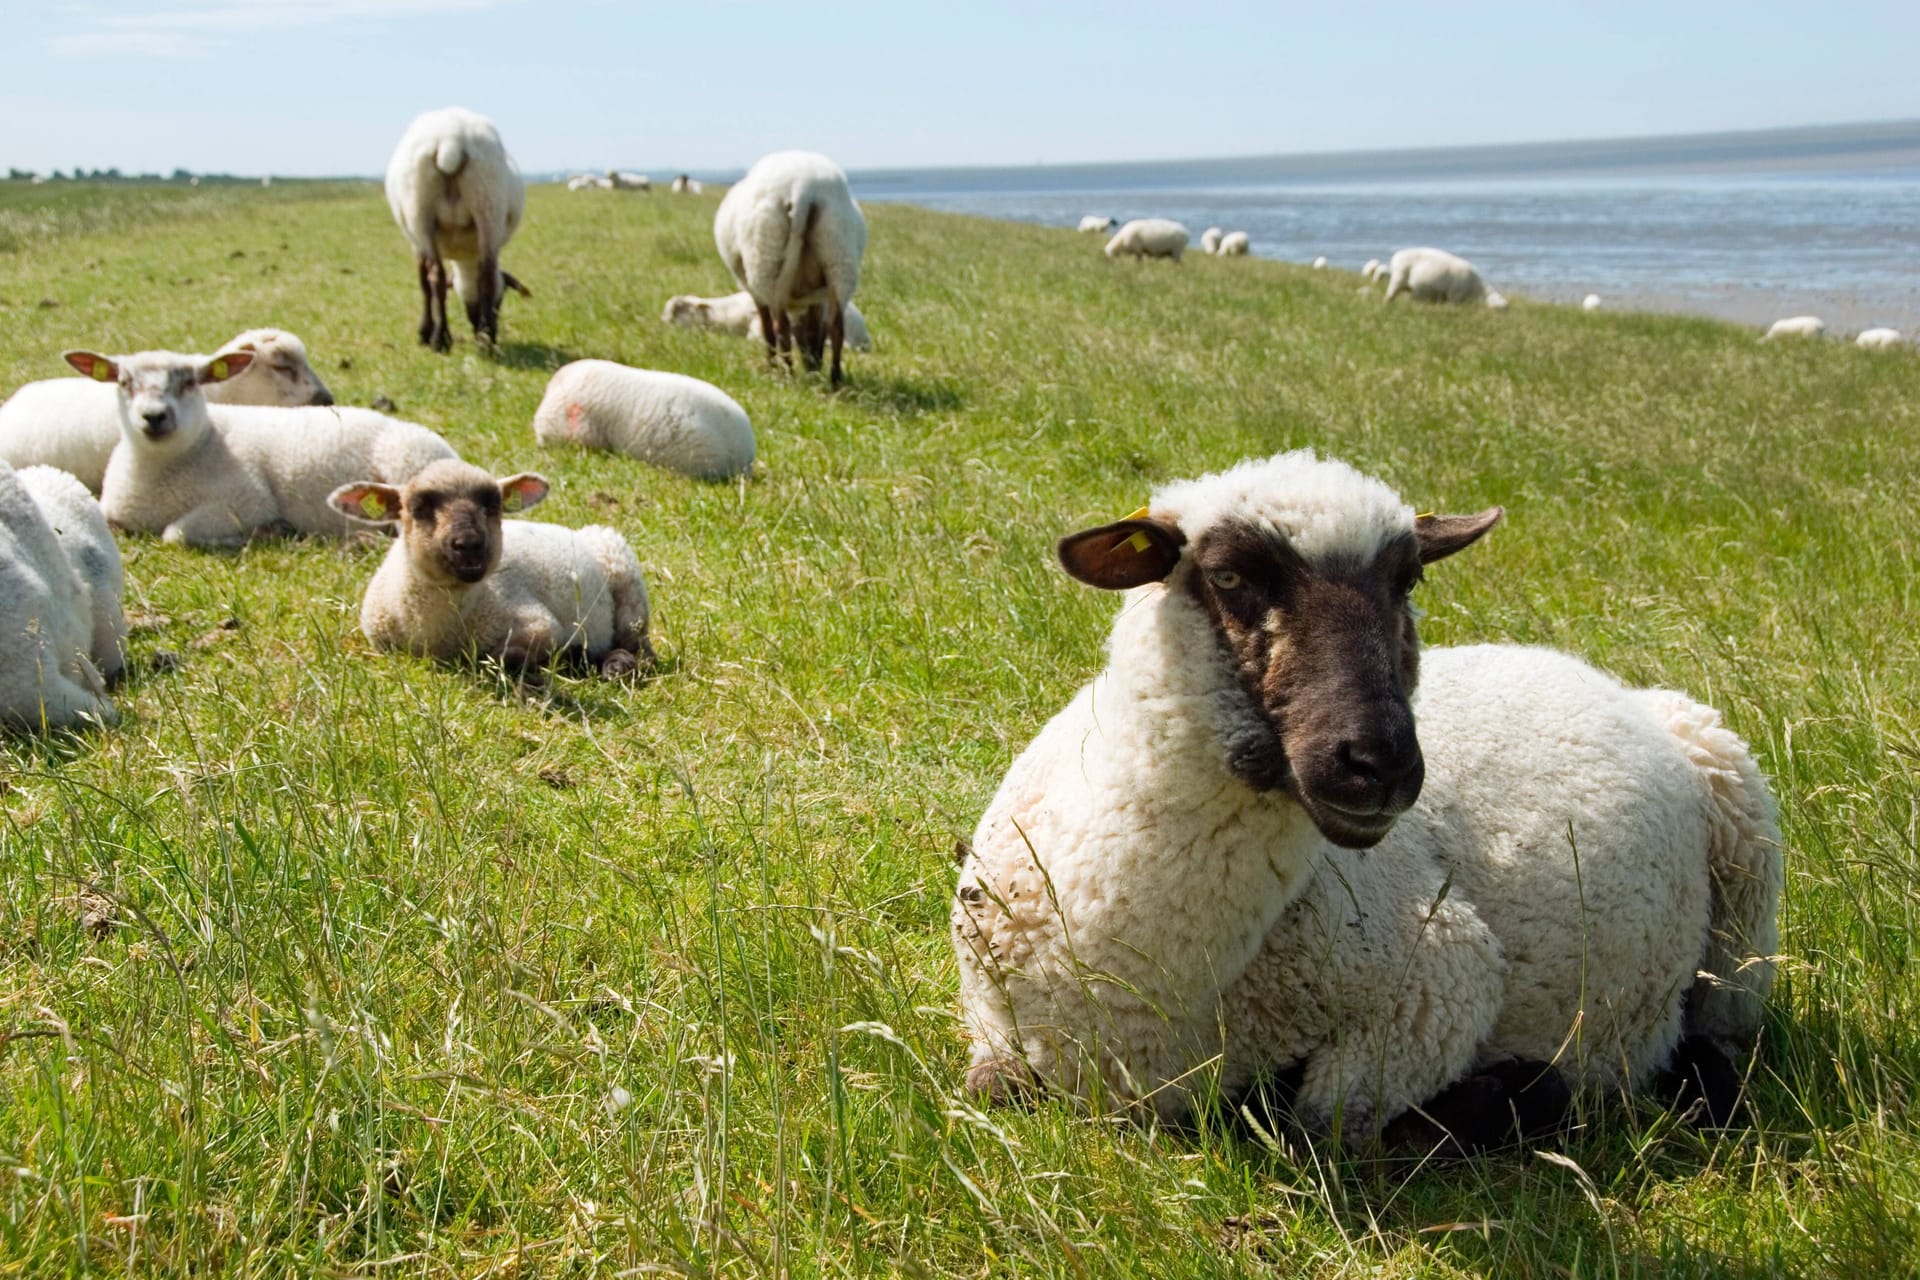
<point x="405" y="972"/>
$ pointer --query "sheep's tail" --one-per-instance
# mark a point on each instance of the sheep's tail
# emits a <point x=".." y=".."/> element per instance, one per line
<point x="1745" y="863"/>
<point x="450" y="156"/>
<point x="631" y="614"/>
<point x="801" y="211"/>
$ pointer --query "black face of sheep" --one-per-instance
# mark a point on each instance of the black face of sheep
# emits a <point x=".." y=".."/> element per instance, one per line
<point x="1326" y="655"/>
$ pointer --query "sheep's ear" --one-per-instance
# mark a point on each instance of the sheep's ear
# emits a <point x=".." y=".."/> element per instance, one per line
<point x="1441" y="536"/>
<point x="364" y="500"/>
<point x="506" y="278"/>
<point x="223" y="366"/>
<point x="517" y="493"/>
<point x="1126" y="553"/>
<point x="99" y="368"/>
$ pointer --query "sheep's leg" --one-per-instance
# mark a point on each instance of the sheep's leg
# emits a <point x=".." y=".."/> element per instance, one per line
<point x="837" y="335"/>
<point x="484" y="314"/>
<point x="785" y="321"/>
<point x="442" y="331"/>
<point x="426" y="300"/>
<point x="769" y="332"/>
<point x="810" y="336"/>
<point x="1495" y="1107"/>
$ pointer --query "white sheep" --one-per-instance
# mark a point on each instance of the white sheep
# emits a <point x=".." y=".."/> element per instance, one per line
<point x="1166" y="879"/>
<point x="1796" y="327"/>
<point x="1098" y="222"/>
<point x="460" y="582"/>
<point x="458" y="198"/>
<point x="1149" y="238"/>
<point x="47" y="678"/>
<point x="81" y="528"/>
<point x="686" y="185"/>
<point x="668" y="419"/>
<point x="216" y="476"/>
<point x="620" y="181"/>
<point x="1210" y="239"/>
<point x="1371" y="269"/>
<point x="1878" y="339"/>
<point x="1320" y="263"/>
<point x="1234" y="244"/>
<point x="1590" y="303"/>
<point x="739" y="315"/>
<point x="793" y="237"/>
<point x="1434" y="275"/>
<point x="589" y="182"/>
<point x="74" y="425"/>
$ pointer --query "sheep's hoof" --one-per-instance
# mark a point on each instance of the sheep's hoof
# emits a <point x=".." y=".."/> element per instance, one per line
<point x="1495" y="1107"/>
<point x="618" y="664"/>
<point x="999" y="1081"/>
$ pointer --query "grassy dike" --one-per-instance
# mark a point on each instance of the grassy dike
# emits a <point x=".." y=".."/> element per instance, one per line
<point x="411" y="974"/>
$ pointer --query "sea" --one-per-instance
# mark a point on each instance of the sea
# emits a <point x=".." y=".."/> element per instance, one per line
<point x="1746" y="227"/>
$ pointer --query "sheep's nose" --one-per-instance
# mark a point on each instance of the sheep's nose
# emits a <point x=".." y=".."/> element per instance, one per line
<point x="466" y="544"/>
<point x="155" y="417"/>
<point x="1378" y="774"/>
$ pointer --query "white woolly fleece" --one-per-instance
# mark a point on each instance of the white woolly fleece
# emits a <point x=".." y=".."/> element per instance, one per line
<point x="1324" y="508"/>
<point x="81" y="528"/>
<point x="46" y="623"/>
<point x="668" y="419"/>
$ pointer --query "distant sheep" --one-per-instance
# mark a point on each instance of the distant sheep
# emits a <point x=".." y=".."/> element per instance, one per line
<point x="1320" y="263"/>
<point x="1879" y="339"/>
<point x="1098" y="222"/>
<point x="461" y="582"/>
<point x="1371" y="269"/>
<point x="1590" y="303"/>
<point x="737" y="314"/>
<point x="74" y="425"/>
<point x="668" y="419"/>
<point x="48" y="679"/>
<point x="1796" y="327"/>
<point x="1434" y="275"/>
<point x="793" y="237"/>
<point x="1149" y="238"/>
<point x="589" y="182"/>
<point x="1210" y="239"/>
<point x="1234" y="245"/>
<point x="457" y="196"/>
<point x="629" y="181"/>
<point x="686" y="185"/>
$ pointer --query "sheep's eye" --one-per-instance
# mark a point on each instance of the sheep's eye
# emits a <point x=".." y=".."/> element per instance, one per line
<point x="1225" y="579"/>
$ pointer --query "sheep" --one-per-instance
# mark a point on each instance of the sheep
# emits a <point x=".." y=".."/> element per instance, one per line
<point x="793" y="237"/>
<point x="47" y="677"/>
<point x="460" y="582"/>
<point x="1796" y="327"/>
<point x="1320" y="263"/>
<point x="737" y="314"/>
<point x="82" y="531"/>
<point x="74" y="425"/>
<point x="668" y="419"/>
<point x="589" y="182"/>
<point x="217" y="477"/>
<point x="1590" y="303"/>
<point x="619" y="181"/>
<point x="1170" y="874"/>
<point x="686" y="185"/>
<point x="1149" y="238"/>
<point x="1098" y="223"/>
<point x="457" y="196"/>
<point x="1210" y="239"/>
<point x="1434" y="275"/>
<point x="1371" y="269"/>
<point x="1878" y="339"/>
<point x="1234" y="244"/>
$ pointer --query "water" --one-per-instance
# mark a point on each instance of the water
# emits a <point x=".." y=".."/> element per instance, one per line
<point x="1745" y="247"/>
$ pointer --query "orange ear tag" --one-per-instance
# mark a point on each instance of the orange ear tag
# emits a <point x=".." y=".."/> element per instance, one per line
<point x="374" y="506"/>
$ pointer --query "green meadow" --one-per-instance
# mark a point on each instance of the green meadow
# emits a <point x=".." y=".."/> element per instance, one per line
<point x="328" y="962"/>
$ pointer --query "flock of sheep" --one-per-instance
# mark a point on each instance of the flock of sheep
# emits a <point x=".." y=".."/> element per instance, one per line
<point x="1573" y="886"/>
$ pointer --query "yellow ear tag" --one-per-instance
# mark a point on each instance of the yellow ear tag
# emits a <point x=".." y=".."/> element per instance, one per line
<point x="1139" y="541"/>
<point x="374" y="506"/>
<point x="1424" y="515"/>
<point x="102" y="371"/>
<point x="511" y="502"/>
<point x="219" y="369"/>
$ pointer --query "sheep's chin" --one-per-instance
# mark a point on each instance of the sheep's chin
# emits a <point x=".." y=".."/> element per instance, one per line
<point x="1349" y="831"/>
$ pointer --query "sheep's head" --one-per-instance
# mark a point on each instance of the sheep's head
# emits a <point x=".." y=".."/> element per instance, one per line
<point x="161" y="398"/>
<point x="1310" y="608"/>
<point x="279" y="375"/>
<point x="448" y="516"/>
<point x="688" y="312"/>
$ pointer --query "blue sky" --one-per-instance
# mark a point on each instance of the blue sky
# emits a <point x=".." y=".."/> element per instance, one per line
<point x="326" y="86"/>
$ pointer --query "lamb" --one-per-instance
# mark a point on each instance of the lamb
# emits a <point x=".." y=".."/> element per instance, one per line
<point x="1149" y="238"/>
<point x="48" y="679"/>
<point x="668" y="419"/>
<point x="1169" y="876"/>
<point x="686" y="185"/>
<point x="1796" y="327"/>
<point x="457" y="196"/>
<point x="1434" y="275"/>
<point x="1098" y="222"/>
<point x="737" y="314"/>
<point x="793" y="237"/>
<point x="1210" y="239"/>
<point x="1590" y="303"/>
<point x="1234" y="244"/>
<point x="74" y="425"/>
<point x="460" y="582"/>
<point x="1878" y="339"/>
<point x="81" y="528"/>
<point x="217" y="477"/>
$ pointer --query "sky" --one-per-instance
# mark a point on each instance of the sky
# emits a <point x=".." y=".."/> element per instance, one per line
<point x="325" y="87"/>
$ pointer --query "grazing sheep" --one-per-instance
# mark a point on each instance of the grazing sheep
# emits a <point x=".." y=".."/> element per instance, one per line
<point x="47" y="678"/>
<point x="74" y="425"/>
<point x="1434" y="275"/>
<point x="216" y="477"/>
<point x="1796" y="327"/>
<point x="1098" y="222"/>
<point x="1168" y="874"/>
<point x="1320" y="263"/>
<point x="793" y="237"/>
<point x="1149" y="238"/>
<point x="81" y="528"/>
<point x="668" y="419"/>
<point x="1590" y="303"/>
<point x="1234" y="244"/>
<point x="686" y="185"/>
<point x="460" y="582"/>
<point x="1210" y="239"/>
<point x="457" y="196"/>
<point x="1878" y="339"/>
<point x="737" y="314"/>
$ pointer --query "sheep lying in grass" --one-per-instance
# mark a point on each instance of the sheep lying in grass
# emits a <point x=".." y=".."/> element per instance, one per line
<point x="1149" y="238"/>
<point x="1235" y="244"/>
<point x="1168" y="874"/>
<point x="216" y="477"/>
<point x="687" y="185"/>
<point x="82" y="531"/>
<point x="1210" y="239"/>
<point x="668" y="419"/>
<point x="1320" y="263"/>
<point x="1590" y="303"/>
<point x="462" y="583"/>
<point x="457" y="196"/>
<point x="1434" y="275"/>
<point x="1878" y="339"/>
<point x="48" y="628"/>
<point x="792" y="236"/>
<point x="1098" y="222"/>
<point x="1796" y="327"/>
<point x="738" y="314"/>
<point x="74" y="425"/>
<point x="621" y="181"/>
